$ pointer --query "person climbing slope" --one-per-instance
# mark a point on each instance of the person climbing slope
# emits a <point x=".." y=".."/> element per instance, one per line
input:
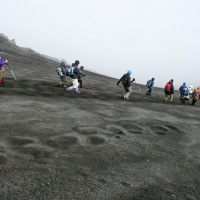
<point x="62" y="70"/>
<point x="167" y="91"/>
<point x="73" y="73"/>
<point x="80" y="77"/>
<point x="195" y="96"/>
<point x="182" y="90"/>
<point x="150" y="85"/>
<point x="126" y="82"/>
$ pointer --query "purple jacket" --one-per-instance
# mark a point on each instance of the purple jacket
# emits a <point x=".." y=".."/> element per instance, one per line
<point x="2" y="63"/>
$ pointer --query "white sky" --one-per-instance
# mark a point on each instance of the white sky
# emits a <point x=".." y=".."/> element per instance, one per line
<point x="153" y="38"/>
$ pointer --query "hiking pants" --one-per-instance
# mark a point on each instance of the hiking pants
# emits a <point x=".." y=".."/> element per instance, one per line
<point x="172" y="98"/>
<point x="167" y="96"/>
<point x="193" y="102"/>
<point x="72" y="88"/>
<point x="128" y="91"/>
<point x="80" y="82"/>
<point x="149" y="91"/>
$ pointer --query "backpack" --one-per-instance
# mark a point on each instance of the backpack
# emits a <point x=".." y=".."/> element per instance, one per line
<point x="70" y="71"/>
<point x="125" y="80"/>
<point x="148" y="83"/>
<point x="59" y="71"/>
<point x="167" y="89"/>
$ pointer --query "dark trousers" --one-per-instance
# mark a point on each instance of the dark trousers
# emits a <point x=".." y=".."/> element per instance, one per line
<point x="80" y="82"/>
<point x="193" y="102"/>
<point x="149" y="91"/>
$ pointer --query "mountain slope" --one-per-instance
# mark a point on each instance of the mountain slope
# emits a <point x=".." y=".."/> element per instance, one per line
<point x="93" y="145"/>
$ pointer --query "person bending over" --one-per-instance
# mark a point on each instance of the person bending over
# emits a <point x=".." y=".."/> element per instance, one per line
<point x="150" y="86"/>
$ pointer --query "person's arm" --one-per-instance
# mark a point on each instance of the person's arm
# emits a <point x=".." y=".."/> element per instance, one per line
<point x="132" y="80"/>
<point x="3" y="62"/>
<point x="79" y="72"/>
<point x="120" y="80"/>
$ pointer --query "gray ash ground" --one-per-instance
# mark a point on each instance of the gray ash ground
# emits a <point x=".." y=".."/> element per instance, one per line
<point x="93" y="145"/>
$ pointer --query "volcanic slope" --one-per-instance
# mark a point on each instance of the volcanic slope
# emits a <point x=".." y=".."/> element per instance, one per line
<point x="93" y="145"/>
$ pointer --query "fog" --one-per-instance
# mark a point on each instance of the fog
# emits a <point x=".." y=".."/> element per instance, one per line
<point x="153" y="38"/>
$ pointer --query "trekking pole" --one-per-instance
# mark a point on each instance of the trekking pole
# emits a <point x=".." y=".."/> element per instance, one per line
<point x="88" y="82"/>
<point x="11" y="71"/>
<point x="138" y="87"/>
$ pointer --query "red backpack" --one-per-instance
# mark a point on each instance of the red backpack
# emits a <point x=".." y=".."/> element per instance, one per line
<point x="168" y="87"/>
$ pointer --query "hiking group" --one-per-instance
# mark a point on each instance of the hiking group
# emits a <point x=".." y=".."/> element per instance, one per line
<point x="185" y="92"/>
<point x="76" y="74"/>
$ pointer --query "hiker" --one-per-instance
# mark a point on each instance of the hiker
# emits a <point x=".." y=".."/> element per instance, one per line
<point x="62" y="71"/>
<point x="2" y="70"/>
<point x="150" y="85"/>
<point x="182" y="90"/>
<point x="80" y="78"/>
<point x="195" y="96"/>
<point x="185" y="94"/>
<point x="126" y="82"/>
<point x="167" y="91"/>
<point x="73" y="73"/>
<point x="172" y="91"/>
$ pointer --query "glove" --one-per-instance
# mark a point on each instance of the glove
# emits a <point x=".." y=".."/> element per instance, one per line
<point x="133" y="79"/>
<point x="117" y="83"/>
<point x="6" y="61"/>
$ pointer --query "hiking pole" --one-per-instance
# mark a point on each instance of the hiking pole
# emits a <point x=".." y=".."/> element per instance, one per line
<point x="11" y="71"/>
<point x="89" y="83"/>
<point x="138" y="87"/>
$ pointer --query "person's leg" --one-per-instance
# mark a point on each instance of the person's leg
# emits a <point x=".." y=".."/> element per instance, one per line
<point x="64" y="84"/>
<point x="70" y="88"/>
<point x="76" y="90"/>
<point x="129" y="90"/>
<point x="80" y="82"/>
<point x="149" y="92"/>
<point x="75" y="85"/>
<point x="193" y="102"/>
<point x="166" y="97"/>
<point x="171" y="97"/>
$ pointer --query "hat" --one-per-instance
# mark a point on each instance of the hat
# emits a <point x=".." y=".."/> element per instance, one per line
<point x="77" y="62"/>
<point x="129" y="72"/>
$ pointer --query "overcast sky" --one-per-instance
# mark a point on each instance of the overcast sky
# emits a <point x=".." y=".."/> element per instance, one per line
<point x="153" y="38"/>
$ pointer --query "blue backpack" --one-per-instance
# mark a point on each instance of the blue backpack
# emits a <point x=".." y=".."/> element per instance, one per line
<point x="70" y="71"/>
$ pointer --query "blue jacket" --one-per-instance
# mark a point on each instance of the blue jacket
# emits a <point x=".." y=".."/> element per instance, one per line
<point x="151" y="84"/>
<point x="182" y="88"/>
